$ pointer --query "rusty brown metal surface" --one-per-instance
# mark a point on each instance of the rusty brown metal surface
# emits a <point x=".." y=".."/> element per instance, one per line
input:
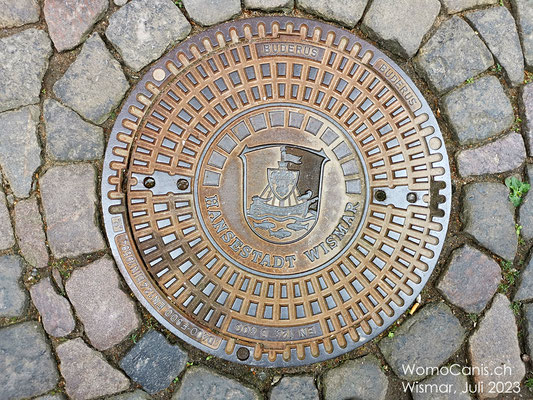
<point x="276" y="191"/>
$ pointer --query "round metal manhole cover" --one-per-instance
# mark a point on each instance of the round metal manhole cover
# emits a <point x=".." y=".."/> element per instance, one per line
<point x="276" y="191"/>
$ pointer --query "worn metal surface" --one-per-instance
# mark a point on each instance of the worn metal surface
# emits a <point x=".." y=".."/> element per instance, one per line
<point x="276" y="191"/>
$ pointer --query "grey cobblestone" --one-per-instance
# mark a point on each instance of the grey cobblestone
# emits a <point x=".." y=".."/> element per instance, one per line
<point x="345" y="12"/>
<point x="528" y="313"/>
<point x="527" y="107"/>
<point x="210" y="12"/>
<point x="30" y="233"/>
<point x="269" y="5"/>
<point x="64" y="188"/>
<point x="295" y="387"/>
<point x="452" y="55"/>
<point x="141" y="31"/>
<point x="526" y="209"/>
<point x="94" y="84"/>
<point x="55" y="310"/>
<point x="449" y="387"/>
<point x="454" y="6"/>
<point x="27" y="365"/>
<point x="488" y="216"/>
<point x="137" y="395"/>
<point x="495" y="344"/>
<point x="24" y="58"/>
<point x="13" y="298"/>
<point x="478" y="110"/>
<point x="502" y="155"/>
<point x="524" y="14"/>
<point x="200" y="382"/>
<point x="498" y="29"/>
<point x="20" y="152"/>
<point x="385" y="22"/>
<point x="7" y="239"/>
<point x="107" y="313"/>
<point x="18" y="12"/>
<point x="153" y="362"/>
<point x="471" y="280"/>
<point x="525" y="288"/>
<point x="87" y="374"/>
<point x="70" y="138"/>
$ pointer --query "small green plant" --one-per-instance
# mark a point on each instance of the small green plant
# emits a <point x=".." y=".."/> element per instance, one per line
<point x="501" y="3"/>
<point x="473" y="317"/>
<point x="515" y="306"/>
<point x="470" y="80"/>
<point x="134" y="338"/>
<point x="176" y="379"/>
<point x="391" y="334"/>
<point x="518" y="234"/>
<point x="497" y="68"/>
<point x="179" y="3"/>
<point x="208" y="358"/>
<point x="190" y="364"/>
<point x="517" y="190"/>
<point x="529" y="383"/>
<point x="510" y="275"/>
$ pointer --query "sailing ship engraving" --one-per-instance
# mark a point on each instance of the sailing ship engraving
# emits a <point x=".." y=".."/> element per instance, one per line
<point x="287" y="207"/>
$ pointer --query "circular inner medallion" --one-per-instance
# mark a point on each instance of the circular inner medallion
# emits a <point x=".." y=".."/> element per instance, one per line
<point x="276" y="191"/>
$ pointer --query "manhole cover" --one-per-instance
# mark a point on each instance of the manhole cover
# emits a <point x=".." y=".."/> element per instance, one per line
<point x="276" y="191"/>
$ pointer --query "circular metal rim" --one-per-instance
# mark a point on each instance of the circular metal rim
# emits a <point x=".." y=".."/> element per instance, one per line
<point x="224" y="29"/>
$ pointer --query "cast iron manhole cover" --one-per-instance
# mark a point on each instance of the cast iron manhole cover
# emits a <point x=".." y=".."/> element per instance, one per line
<point x="276" y="191"/>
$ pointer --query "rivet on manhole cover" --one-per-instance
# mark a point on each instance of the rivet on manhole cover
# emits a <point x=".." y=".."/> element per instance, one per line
<point x="302" y="194"/>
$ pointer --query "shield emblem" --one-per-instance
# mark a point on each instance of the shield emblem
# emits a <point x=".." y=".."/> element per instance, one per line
<point x="282" y="190"/>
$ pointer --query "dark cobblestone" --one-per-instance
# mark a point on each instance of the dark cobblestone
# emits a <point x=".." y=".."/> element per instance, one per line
<point x="27" y="365"/>
<point x="153" y="362"/>
<point x="414" y="341"/>
<point x="370" y="382"/>
<point x="295" y="387"/>
<point x="471" y="279"/>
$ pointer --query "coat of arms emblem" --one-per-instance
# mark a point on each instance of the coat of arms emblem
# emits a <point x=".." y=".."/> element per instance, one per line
<point x="282" y="202"/>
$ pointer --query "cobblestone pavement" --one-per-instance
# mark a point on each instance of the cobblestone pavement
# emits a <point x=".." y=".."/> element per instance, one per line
<point x="69" y="327"/>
